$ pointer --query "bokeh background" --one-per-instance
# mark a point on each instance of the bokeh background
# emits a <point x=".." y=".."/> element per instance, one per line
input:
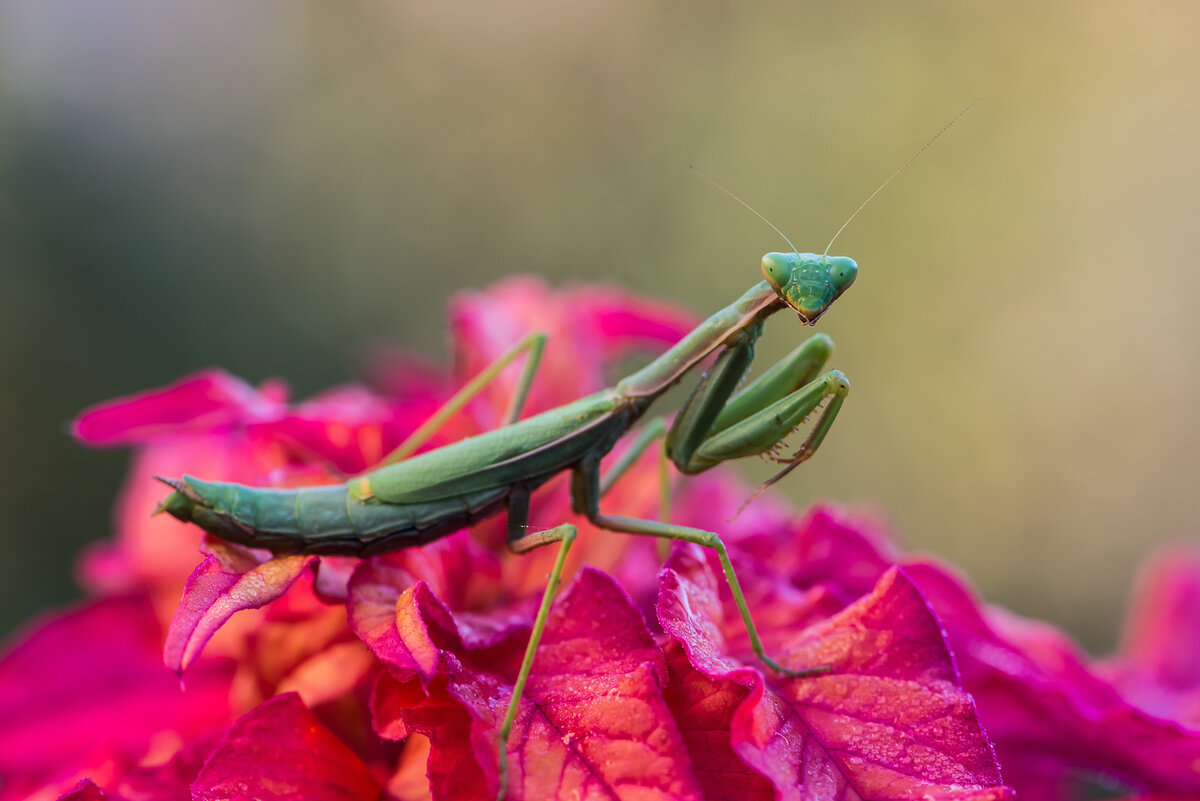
<point x="277" y="187"/>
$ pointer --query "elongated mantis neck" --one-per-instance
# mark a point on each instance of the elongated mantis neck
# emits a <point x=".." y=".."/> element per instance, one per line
<point x="756" y="304"/>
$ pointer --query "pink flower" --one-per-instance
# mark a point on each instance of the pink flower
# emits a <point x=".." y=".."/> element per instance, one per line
<point x="389" y="676"/>
<point x="1158" y="665"/>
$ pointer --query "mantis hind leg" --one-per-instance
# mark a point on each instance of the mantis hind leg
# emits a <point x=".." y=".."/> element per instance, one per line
<point x="535" y="343"/>
<point x="586" y="488"/>
<point x="521" y="541"/>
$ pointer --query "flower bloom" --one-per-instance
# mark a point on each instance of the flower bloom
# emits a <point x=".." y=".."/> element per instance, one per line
<point x="337" y="678"/>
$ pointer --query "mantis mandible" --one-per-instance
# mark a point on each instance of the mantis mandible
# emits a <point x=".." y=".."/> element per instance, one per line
<point x="412" y="500"/>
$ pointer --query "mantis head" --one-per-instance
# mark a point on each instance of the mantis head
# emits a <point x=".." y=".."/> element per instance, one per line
<point x="807" y="282"/>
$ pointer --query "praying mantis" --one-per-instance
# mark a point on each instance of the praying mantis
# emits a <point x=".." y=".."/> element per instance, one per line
<point x="412" y="500"/>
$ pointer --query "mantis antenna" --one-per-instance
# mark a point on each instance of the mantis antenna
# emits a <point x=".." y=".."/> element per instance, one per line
<point x="801" y="455"/>
<point x="900" y="169"/>
<point x="862" y="205"/>
<point x="753" y="210"/>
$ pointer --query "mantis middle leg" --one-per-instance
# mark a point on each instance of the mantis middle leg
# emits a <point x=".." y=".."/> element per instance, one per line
<point x="535" y="343"/>
<point x="713" y="427"/>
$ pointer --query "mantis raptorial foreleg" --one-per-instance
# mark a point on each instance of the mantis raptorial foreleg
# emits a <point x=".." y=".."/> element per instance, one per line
<point x="714" y="427"/>
<point x="535" y="343"/>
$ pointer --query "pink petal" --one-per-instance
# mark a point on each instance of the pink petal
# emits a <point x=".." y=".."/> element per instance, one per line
<point x="593" y="718"/>
<point x="453" y="768"/>
<point x="303" y="645"/>
<point x="590" y="330"/>
<point x="703" y="710"/>
<point x="395" y="597"/>
<point x="889" y="721"/>
<point x="348" y="428"/>
<point x="388" y="611"/>
<point x="171" y="780"/>
<point x="1158" y="664"/>
<point x="623" y="321"/>
<point x="86" y="790"/>
<point x="1048" y="711"/>
<point x="227" y="581"/>
<point x="88" y="689"/>
<point x="281" y="751"/>
<point x="206" y="400"/>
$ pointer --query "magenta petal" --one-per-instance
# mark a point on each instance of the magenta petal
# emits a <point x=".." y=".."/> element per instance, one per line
<point x="453" y="766"/>
<point x="399" y="604"/>
<point x="703" y="710"/>
<point x="1047" y="710"/>
<point x="593" y="721"/>
<point x="590" y="329"/>
<point x="86" y="790"/>
<point x="388" y="610"/>
<point x="88" y="687"/>
<point x="348" y="428"/>
<point x="171" y="780"/>
<point x="206" y="400"/>
<point x="594" y="716"/>
<point x="889" y="722"/>
<point x="623" y="320"/>
<point x="279" y="750"/>
<point x="1158" y="666"/>
<point x="229" y="580"/>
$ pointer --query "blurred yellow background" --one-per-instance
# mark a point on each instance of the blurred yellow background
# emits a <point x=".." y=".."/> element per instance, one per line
<point x="274" y="187"/>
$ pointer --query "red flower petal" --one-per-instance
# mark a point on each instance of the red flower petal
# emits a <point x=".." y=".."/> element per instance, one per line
<point x="87" y="690"/>
<point x="1047" y="710"/>
<point x="453" y="767"/>
<point x="590" y="329"/>
<point x="703" y="710"/>
<point x="227" y="581"/>
<point x="396" y="604"/>
<point x="348" y="429"/>
<point x="392" y="622"/>
<point x="205" y="400"/>
<point x="171" y="780"/>
<point x="592" y="716"/>
<point x="86" y="790"/>
<point x="279" y="750"/>
<point x="1158" y="665"/>
<point x="889" y="721"/>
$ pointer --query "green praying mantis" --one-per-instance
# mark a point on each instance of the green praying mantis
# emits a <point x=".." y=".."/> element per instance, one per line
<point x="411" y="500"/>
<point x="414" y="500"/>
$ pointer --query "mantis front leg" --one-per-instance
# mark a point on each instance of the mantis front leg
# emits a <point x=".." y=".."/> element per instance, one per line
<point x="713" y="427"/>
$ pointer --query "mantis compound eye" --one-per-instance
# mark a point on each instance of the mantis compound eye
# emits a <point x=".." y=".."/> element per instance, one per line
<point x="842" y="272"/>
<point x="778" y="269"/>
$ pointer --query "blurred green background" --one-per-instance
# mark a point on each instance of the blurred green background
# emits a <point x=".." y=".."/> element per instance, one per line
<point x="273" y="187"/>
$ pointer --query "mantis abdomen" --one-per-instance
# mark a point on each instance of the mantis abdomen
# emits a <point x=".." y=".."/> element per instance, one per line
<point x="412" y="502"/>
<point x="329" y="520"/>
